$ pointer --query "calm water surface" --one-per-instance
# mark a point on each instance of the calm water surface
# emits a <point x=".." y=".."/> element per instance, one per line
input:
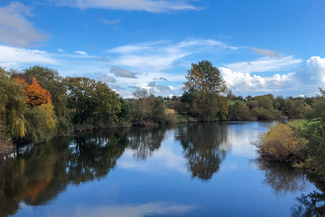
<point x="188" y="170"/>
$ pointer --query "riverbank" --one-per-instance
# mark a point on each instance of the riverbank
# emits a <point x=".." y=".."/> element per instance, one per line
<point x="299" y="144"/>
<point x="172" y="119"/>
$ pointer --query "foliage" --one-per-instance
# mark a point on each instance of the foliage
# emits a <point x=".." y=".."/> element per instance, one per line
<point x="295" y="109"/>
<point x="262" y="114"/>
<point x="5" y="140"/>
<point x="205" y="77"/>
<point x="279" y="103"/>
<point x="91" y="101"/>
<point x="239" y="112"/>
<point x="147" y="109"/>
<point x="252" y="104"/>
<point x="12" y="105"/>
<point x="40" y="123"/>
<point x="50" y="80"/>
<point x="35" y="94"/>
<point x="125" y="108"/>
<point x="281" y="143"/>
<point x="223" y="105"/>
<point x="204" y="105"/>
<point x="265" y="102"/>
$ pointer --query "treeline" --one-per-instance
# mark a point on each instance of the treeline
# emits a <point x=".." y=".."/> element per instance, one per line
<point x="206" y="98"/>
<point x="38" y="104"/>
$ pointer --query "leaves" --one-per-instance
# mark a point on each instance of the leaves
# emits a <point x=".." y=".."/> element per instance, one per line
<point x="205" y="77"/>
<point x="35" y="94"/>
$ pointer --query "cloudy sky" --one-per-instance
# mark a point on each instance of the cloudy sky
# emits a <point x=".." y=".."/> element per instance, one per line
<point x="259" y="46"/>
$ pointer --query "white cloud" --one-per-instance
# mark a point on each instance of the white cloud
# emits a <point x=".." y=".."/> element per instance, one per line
<point x="306" y="80"/>
<point x="81" y="52"/>
<point x="265" y="64"/>
<point x="107" y="22"/>
<point x="60" y="50"/>
<point x="154" y="6"/>
<point x="15" y="30"/>
<point x="161" y="55"/>
<point x="245" y="81"/>
<point x="314" y="73"/>
<point x="10" y="56"/>
<point x="266" y="52"/>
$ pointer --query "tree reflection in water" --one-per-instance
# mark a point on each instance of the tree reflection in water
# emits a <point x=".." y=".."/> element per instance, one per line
<point x="145" y="141"/>
<point x="312" y="204"/>
<point x="204" y="148"/>
<point x="41" y="173"/>
<point x="284" y="179"/>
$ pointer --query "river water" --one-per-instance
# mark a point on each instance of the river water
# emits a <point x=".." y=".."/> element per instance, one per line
<point x="202" y="169"/>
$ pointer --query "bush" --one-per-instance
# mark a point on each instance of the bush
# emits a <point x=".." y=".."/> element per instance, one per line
<point x="280" y="143"/>
<point x="171" y="119"/>
<point x="252" y="104"/>
<point x="262" y="113"/>
<point x="239" y="112"/>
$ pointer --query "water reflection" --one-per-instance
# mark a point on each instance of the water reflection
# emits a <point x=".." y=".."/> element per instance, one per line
<point x="284" y="179"/>
<point x="149" y="209"/>
<point x="151" y="164"/>
<point x="203" y="147"/>
<point x="312" y="204"/>
<point x="144" y="141"/>
<point x="39" y="174"/>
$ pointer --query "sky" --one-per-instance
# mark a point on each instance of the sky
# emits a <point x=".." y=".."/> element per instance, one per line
<point x="259" y="47"/>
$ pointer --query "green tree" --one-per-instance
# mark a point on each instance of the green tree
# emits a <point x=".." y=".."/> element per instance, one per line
<point x="147" y="109"/>
<point x="265" y="102"/>
<point x="92" y="102"/>
<point x="205" y="77"/>
<point x="51" y="80"/>
<point x="12" y="105"/>
<point x="239" y="112"/>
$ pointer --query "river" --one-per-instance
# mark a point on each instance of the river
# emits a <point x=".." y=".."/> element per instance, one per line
<point x="201" y="169"/>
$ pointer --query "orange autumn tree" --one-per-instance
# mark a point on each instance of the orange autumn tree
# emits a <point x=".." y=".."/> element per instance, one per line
<point x="35" y="94"/>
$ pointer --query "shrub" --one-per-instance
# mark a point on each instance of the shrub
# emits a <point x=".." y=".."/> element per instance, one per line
<point x="239" y="112"/>
<point x="171" y="119"/>
<point x="262" y="113"/>
<point x="252" y="104"/>
<point x="280" y="143"/>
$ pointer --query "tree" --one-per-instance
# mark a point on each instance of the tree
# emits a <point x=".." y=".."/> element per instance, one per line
<point x="202" y="92"/>
<point x="147" y="109"/>
<point x="49" y="79"/>
<point x="12" y="105"/>
<point x="265" y="102"/>
<point x="35" y="94"/>
<point x="205" y="77"/>
<point x="92" y="101"/>
<point x="125" y="108"/>
<point x="239" y="112"/>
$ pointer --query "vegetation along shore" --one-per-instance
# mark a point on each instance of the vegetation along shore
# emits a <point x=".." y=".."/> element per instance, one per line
<point x="38" y="104"/>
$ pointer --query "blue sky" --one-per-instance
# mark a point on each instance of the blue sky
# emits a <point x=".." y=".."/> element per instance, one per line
<point x="259" y="46"/>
